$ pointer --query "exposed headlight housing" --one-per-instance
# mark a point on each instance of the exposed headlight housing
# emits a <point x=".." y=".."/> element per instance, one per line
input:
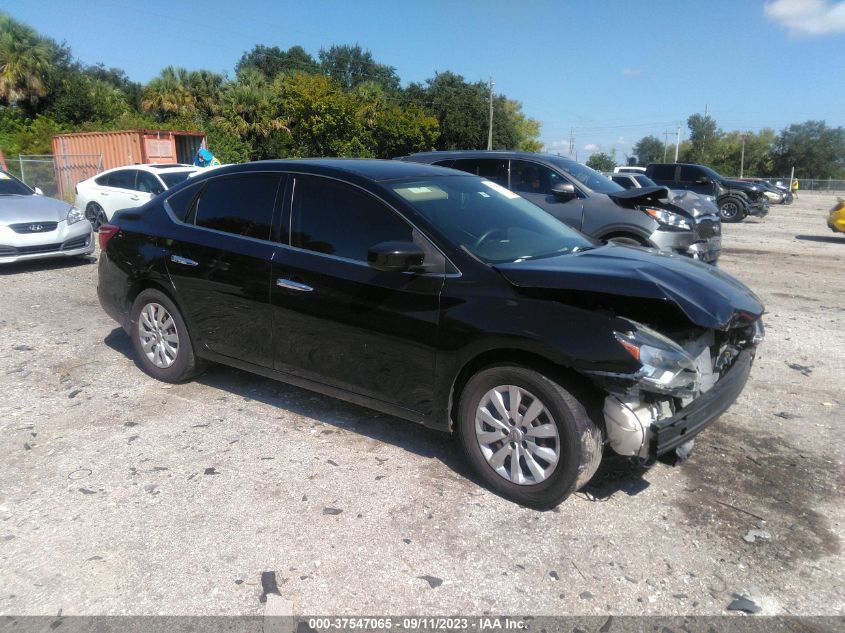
<point x="667" y="218"/>
<point x="666" y="367"/>
<point x="74" y="215"/>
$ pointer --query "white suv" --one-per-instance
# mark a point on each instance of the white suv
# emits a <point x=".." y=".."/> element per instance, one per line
<point x="126" y="187"/>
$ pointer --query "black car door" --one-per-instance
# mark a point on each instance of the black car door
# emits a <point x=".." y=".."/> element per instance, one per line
<point x="691" y="178"/>
<point x="534" y="182"/>
<point x="221" y="264"/>
<point x="340" y="322"/>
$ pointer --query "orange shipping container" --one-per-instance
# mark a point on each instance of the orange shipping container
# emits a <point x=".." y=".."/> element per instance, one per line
<point x="84" y="154"/>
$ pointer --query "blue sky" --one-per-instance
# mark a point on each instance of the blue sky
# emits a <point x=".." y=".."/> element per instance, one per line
<point x="612" y="70"/>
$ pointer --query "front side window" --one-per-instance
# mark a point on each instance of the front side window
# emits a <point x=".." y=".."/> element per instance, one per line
<point x="493" y="223"/>
<point x="11" y="186"/>
<point x="242" y="205"/>
<point x="122" y="179"/>
<point x="334" y="218"/>
<point x="690" y="173"/>
<point x="490" y="168"/>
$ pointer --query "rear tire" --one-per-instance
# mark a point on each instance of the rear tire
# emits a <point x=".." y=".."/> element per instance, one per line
<point x="556" y="445"/>
<point x="732" y="210"/>
<point x="161" y="339"/>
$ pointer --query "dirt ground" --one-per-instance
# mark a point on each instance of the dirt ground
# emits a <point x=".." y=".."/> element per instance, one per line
<point x="122" y="495"/>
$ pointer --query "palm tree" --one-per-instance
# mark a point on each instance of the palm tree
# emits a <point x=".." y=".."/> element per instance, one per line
<point x="26" y="62"/>
<point x="169" y="94"/>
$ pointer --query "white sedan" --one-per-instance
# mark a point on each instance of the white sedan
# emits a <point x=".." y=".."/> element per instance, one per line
<point x="126" y="187"/>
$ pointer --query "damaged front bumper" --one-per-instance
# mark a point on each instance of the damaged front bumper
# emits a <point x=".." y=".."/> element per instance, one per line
<point x="647" y="431"/>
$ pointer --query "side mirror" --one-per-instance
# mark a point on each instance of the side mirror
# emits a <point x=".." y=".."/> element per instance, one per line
<point x="703" y="180"/>
<point x="38" y="191"/>
<point x="564" y="191"/>
<point x="395" y="256"/>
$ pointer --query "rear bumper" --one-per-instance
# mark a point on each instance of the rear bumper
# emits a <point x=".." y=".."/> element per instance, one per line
<point x="66" y="241"/>
<point x="668" y="434"/>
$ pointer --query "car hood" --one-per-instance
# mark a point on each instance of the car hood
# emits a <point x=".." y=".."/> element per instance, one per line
<point x="740" y="184"/>
<point x="16" y="209"/>
<point x="707" y="296"/>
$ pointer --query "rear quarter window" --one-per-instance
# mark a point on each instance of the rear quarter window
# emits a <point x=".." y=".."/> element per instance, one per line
<point x="182" y="202"/>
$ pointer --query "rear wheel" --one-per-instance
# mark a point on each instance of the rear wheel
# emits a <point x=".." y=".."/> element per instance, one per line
<point x="732" y="210"/>
<point x="787" y="199"/>
<point x="529" y="438"/>
<point x="95" y="215"/>
<point x="160" y="338"/>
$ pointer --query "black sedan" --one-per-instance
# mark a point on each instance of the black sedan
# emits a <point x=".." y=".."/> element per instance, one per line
<point x="439" y="297"/>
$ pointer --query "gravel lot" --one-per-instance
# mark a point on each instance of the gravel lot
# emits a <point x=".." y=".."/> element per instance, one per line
<point x="122" y="495"/>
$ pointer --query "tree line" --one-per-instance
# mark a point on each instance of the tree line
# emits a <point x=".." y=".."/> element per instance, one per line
<point x="815" y="149"/>
<point x="280" y="103"/>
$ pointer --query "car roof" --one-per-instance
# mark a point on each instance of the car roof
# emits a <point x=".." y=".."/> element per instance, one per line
<point x="369" y="168"/>
<point x="153" y="169"/>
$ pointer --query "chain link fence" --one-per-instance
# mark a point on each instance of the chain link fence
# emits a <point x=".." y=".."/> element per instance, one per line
<point x="829" y="185"/>
<point x="55" y="175"/>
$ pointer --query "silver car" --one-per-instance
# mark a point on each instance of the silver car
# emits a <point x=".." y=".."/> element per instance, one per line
<point x="33" y="226"/>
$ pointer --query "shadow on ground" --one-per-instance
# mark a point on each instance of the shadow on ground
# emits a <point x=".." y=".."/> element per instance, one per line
<point x="824" y="239"/>
<point x="616" y="474"/>
<point x="37" y="265"/>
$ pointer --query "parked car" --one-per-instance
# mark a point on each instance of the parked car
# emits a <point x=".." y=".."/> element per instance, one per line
<point x="630" y="169"/>
<point x="438" y="297"/>
<point x="33" y="226"/>
<point x="127" y="187"/>
<point x="587" y="201"/>
<point x="836" y="219"/>
<point x="776" y="194"/>
<point x="736" y="199"/>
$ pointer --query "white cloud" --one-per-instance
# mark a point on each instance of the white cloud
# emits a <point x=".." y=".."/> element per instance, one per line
<point x="632" y="72"/>
<point x="808" y="17"/>
<point x="592" y="147"/>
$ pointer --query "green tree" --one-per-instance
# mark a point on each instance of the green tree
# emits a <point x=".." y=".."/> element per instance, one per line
<point x="813" y="148"/>
<point x="322" y="117"/>
<point x="27" y="61"/>
<point x="352" y="65"/>
<point x="527" y="129"/>
<point x="649" y="149"/>
<point x="601" y="161"/>
<point x="395" y="130"/>
<point x="462" y="111"/>
<point x="271" y="61"/>
<point x="78" y="98"/>
<point x="169" y="95"/>
<point x="703" y="139"/>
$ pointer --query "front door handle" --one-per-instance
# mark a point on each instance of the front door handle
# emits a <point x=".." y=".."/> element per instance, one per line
<point x="293" y="285"/>
<point x="134" y="198"/>
<point x="178" y="259"/>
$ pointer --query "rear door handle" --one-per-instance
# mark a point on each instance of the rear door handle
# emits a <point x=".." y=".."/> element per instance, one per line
<point x="178" y="259"/>
<point x="293" y="285"/>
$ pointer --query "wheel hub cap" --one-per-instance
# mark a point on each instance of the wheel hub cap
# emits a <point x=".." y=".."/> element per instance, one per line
<point x="158" y="335"/>
<point x="517" y="435"/>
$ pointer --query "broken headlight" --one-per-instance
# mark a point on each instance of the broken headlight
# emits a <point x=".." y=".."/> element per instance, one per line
<point x="667" y="218"/>
<point x="666" y="367"/>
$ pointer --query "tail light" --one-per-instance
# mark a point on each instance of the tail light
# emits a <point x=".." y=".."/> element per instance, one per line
<point x="107" y="231"/>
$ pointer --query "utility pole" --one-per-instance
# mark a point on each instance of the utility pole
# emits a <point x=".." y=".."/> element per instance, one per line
<point x="490" y="129"/>
<point x="571" y="141"/>
<point x="677" y="142"/>
<point x="742" y="156"/>
<point x="665" y="143"/>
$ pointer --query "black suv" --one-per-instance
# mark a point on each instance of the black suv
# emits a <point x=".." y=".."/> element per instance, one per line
<point x="590" y="202"/>
<point x="438" y="297"/>
<point x="736" y="199"/>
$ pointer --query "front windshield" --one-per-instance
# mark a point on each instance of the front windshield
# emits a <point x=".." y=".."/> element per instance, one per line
<point x="712" y="174"/>
<point x="590" y="178"/>
<point x="491" y="222"/>
<point x="11" y="186"/>
<point x="173" y="178"/>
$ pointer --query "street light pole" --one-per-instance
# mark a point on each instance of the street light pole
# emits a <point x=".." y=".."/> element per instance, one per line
<point x="742" y="157"/>
<point x="490" y="129"/>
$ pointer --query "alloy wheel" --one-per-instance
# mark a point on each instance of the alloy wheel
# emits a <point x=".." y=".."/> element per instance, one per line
<point x="95" y="215"/>
<point x="517" y="435"/>
<point x="158" y="335"/>
<point x="729" y="210"/>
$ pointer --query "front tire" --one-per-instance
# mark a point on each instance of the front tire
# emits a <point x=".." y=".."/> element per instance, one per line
<point x="530" y="439"/>
<point x="732" y="210"/>
<point x="160" y="338"/>
<point x="95" y="214"/>
<point x="626" y="240"/>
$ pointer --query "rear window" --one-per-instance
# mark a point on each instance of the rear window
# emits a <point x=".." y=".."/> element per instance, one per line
<point x="662" y="172"/>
